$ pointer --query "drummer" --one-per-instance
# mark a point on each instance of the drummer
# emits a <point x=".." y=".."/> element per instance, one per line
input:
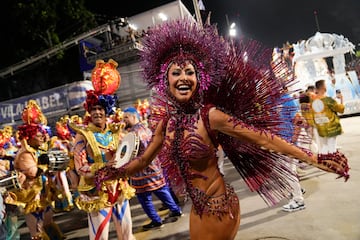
<point x="35" y="196"/>
<point x="62" y="144"/>
<point x="4" y="168"/>
<point x="94" y="147"/>
<point x="9" y="214"/>
<point x="7" y="149"/>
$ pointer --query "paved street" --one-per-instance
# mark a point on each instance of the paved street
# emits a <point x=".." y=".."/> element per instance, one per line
<point x="332" y="207"/>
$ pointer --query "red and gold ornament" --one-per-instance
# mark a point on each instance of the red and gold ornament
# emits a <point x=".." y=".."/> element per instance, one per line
<point x="32" y="114"/>
<point x="105" y="77"/>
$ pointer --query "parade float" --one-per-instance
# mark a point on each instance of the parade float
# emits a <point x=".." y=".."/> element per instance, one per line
<point x="323" y="56"/>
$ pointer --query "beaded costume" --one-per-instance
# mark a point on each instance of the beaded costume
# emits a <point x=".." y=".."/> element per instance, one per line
<point x="237" y="90"/>
<point x="235" y="78"/>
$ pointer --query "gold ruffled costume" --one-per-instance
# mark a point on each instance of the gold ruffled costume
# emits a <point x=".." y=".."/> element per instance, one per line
<point x="90" y="199"/>
<point x="30" y="196"/>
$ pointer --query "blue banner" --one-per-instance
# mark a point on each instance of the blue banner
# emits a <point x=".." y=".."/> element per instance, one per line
<point x="87" y="49"/>
<point x="52" y="101"/>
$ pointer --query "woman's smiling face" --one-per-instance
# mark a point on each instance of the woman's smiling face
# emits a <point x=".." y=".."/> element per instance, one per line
<point x="182" y="81"/>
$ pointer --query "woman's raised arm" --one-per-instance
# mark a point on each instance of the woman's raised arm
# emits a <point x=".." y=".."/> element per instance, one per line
<point x="226" y="124"/>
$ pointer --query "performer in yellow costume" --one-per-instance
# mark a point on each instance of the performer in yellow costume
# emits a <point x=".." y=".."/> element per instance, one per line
<point x="35" y="196"/>
<point x="95" y="146"/>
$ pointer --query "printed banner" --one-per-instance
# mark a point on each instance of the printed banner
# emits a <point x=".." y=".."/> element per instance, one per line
<point x="52" y="101"/>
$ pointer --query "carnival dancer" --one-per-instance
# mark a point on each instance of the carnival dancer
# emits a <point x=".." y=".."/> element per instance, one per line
<point x="4" y="169"/>
<point x="35" y="196"/>
<point x="95" y="146"/>
<point x="193" y="71"/>
<point x="62" y="143"/>
<point x="8" y="151"/>
<point x="6" y="159"/>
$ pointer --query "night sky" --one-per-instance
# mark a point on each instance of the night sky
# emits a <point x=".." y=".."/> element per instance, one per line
<point x="272" y="22"/>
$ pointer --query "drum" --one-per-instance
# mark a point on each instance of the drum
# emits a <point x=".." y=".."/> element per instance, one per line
<point x="127" y="149"/>
<point x="10" y="181"/>
<point x="58" y="160"/>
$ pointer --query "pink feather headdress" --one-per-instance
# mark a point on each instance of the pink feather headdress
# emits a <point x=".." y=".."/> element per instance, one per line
<point x="189" y="42"/>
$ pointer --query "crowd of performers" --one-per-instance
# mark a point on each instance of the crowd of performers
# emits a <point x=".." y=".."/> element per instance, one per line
<point x="208" y="96"/>
<point x="38" y="176"/>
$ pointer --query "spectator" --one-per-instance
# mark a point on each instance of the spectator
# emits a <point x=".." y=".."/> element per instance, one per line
<point x="327" y="122"/>
<point x="132" y="34"/>
<point x="288" y="131"/>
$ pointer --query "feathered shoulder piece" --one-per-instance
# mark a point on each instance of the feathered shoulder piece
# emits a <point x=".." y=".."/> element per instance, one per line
<point x="250" y="82"/>
<point x="76" y="124"/>
<point x="251" y="92"/>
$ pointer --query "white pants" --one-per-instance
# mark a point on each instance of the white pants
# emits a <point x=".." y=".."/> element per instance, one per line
<point x="99" y="222"/>
<point x="295" y="184"/>
<point x="327" y="145"/>
<point x="309" y="139"/>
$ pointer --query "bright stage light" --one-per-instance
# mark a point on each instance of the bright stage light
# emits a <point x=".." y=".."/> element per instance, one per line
<point x="163" y="17"/>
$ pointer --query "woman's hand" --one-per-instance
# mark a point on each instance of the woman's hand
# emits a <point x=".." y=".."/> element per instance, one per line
<point x="108" y="173"/>
<point x="335" y="163"/>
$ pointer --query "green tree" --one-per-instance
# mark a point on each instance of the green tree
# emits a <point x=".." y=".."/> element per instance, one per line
<point x="357" y="54"/>
<point x="29" y="27"/>
<point x="35" y="25"/>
